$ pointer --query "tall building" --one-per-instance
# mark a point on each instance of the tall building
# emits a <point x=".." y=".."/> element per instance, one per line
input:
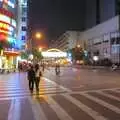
<point x="13" y="26"/>
<point x="102" y="29"/>
<point x="101" y="35"/>
<point x="66" y="41"/>
<point x="22" y="23"/>
<point x="98" y="11"/>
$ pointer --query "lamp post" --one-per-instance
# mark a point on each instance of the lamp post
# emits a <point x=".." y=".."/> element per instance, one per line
<point x="36" y="36"/>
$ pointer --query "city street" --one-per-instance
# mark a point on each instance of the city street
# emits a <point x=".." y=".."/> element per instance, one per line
<point x="75" y="94"/>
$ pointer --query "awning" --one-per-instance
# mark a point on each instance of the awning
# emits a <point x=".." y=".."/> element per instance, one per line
<point x="11" y="53"/>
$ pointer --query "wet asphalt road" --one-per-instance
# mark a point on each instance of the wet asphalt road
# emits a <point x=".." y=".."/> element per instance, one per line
<point x="76" y="94"/>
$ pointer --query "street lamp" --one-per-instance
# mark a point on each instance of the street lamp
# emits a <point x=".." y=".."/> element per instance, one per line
<point x="78" y="46"/>
<point x="38" y="35"/>
<point x="40" y="49"/>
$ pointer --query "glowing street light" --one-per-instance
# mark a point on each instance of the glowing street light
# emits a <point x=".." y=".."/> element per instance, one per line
<point x="40" y="49"/>
<point x="38" y="35"/>
<point x="78" y="46"/>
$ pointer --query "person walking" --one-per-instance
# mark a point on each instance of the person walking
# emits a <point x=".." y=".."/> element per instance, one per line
<point x="31" y="78"/>
<point x="38" y="74"/>
<point x="57" y="69"/>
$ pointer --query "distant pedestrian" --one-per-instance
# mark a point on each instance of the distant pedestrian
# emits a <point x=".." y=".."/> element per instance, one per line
<point x="43" y="66"/>
<point x="31" y="78"/>
<point x="57" y="69"/>
<point x="20" y="67"/>
<point x="38" y="74"/>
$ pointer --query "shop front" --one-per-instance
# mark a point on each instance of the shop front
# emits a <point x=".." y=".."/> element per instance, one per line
<point x="8" y="60"/>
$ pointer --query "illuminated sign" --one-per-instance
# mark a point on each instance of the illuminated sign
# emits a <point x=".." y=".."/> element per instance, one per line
<point x="4" y="18"/>
<point x="9" y="3"/>
<point x="6" y="32"/>
<point x="6" y="26"/>
<point x="8" y="20"/>
<point x="54" y="54"/>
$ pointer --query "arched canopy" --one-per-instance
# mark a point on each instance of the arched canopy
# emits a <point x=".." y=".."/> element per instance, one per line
<point x="54" y="50"/>
<point x="54" y="53"/>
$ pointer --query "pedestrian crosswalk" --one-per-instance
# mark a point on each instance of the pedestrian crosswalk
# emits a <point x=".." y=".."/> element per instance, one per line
<point x="55" y="102"/>
<point x="19" y="88"/>
<point x="86" y="105"/>
<point x="97" y="105"/>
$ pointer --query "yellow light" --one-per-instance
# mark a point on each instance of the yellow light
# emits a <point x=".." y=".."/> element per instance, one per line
<point x="38" y="35"/>
<point x="40" y="49"/>
<point x="78" y="46"/>
<point x="1" y="52"/>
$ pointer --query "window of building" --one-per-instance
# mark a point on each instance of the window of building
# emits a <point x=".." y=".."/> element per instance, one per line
<point x="24" y="10"/>
<point x="113" y="40"/>
<point x="23" y="38"/>
<point x="23" y="19"/>
<point x="24" y="28"/>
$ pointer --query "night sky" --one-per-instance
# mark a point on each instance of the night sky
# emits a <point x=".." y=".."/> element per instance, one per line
<point x="54" y="17"/>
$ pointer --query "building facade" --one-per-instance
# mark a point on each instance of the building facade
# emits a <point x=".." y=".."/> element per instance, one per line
<point x="66" y="41"/>
<point x="22" y="19"/>
<point x="102" y="26"/>
<point x="11" y="32"/>
<point x="104" y="40"/>
<point x="101" y="34"/>
<point x="98" y="11"/>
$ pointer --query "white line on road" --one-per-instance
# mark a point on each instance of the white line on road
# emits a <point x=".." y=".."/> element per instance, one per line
<point x="101" y="102"/>
<point x="38" y="112"/>
<point x="85" y="108"/>
<point x="54" y="83"/>
<point x="14" y="112"/>
<point x="108" y="95"/>
<point x="59" y="110"/>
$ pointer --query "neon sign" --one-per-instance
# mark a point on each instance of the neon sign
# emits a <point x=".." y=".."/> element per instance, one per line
<point x="6" y="26"/>
<point x="5" y="18"/>
<point x="54" y="54"/>
<point x="8" y="20"/>
<point x="6" y="32"/>
<point x="9" y="3"/>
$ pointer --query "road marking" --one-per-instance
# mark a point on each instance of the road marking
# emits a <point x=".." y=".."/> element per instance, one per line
<point x="10" y="114"/>
<point x="38" y="112"/>
<point x="96" y="90"/>
<point x="59" y="110"/>
<point x="14" y="111"/>
<point x="85" y="108"/>
<point x="101" y="102"/>
<point x="108" y="95"/>
<point x="74" y="69"/>
<point x="78" y="86"/>
<point x="54" y="83"/>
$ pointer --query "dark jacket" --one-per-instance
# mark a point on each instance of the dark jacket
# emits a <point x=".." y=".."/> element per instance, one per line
<point x="31" y="74"/>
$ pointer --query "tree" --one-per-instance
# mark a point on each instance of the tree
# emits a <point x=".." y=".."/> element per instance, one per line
<point x="37" y="54"/>
<point x="24" y="55"/>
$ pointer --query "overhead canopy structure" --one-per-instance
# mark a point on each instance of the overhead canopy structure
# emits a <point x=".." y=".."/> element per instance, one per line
<point x="54" y="53"/>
